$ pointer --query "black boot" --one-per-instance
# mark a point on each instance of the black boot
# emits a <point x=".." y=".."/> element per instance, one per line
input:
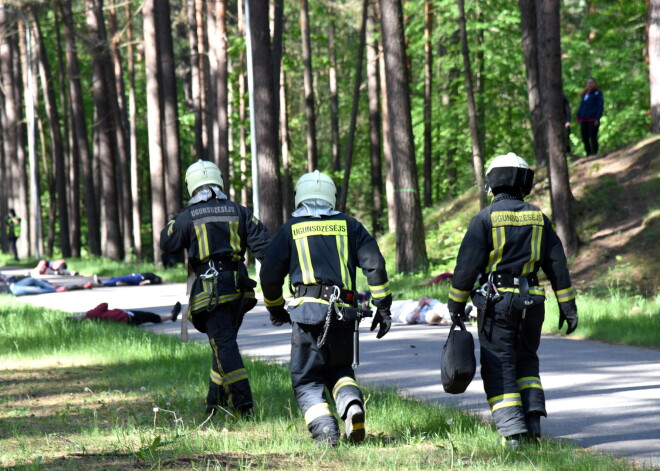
<point x="325" y="430"/>
<point x="513" y="441"/>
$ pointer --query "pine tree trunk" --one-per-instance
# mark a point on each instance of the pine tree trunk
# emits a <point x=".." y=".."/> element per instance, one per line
<point x="348" y="156"/>
<point x="270" y="204"/>
<point x="410" y="242"/>
<point x="56" y="142"/>
<point x="553" y="108"/>
<point x="136" y="214"/>
<point x="308" y="82"/>
<point x="154" y="126"/>
<point x="246" y="193"/>
<point x="105" y="127"/>
<point x="334" y="96"/>
<point x="374" y="126"/>
<point x="428" y="103"/>
<point x="477" y="145"/>
<point x="221" y="129"/>
<point x="530" y="52"/>
<point x="79" y="130"/>
<point x="287" y="184"/>
<point x="195" y="78"/>
<point x="170" y="124"/>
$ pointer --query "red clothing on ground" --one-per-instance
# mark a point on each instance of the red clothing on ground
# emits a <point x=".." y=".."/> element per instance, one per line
<point x="102" y="312"/>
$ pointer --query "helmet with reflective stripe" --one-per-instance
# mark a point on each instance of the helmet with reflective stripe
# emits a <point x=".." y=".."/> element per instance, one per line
<point x="509" y="171"/>
<point x="203" y="173"/>
<point x="315" y="185"/>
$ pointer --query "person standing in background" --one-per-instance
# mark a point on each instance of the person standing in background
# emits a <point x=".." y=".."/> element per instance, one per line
<point x="589" y="114"/>
<point x="13" y="231"/>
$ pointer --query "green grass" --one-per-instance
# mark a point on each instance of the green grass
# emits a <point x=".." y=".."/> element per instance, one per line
<point x="86" y="395"/>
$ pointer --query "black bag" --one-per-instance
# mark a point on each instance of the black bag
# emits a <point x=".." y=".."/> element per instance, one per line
<point x="458" y="364"/>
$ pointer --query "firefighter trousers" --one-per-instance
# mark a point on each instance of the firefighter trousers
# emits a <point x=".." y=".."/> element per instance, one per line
<point x="228" y="385"/>
<point x="314" y="369"/>
<point x="509" y="339"/>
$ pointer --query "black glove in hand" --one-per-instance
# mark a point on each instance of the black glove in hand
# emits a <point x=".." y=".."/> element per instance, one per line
<point x="279" y="316"/>
<point x="384" y="318"/>
<point x="568" y="313"/>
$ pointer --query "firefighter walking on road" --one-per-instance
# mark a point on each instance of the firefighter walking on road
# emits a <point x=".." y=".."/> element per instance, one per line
<point x="320" y="249"/>
<point x="503" y="249"/>
<point x="216" y="232"/>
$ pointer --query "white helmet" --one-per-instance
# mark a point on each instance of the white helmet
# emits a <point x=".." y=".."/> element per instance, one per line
<point x="315" y="185"/>
<point x="510" y="171"/>
<point x="203" y="173"/>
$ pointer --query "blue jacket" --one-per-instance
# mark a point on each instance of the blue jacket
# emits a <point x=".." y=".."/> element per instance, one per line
<point x="591" y="106"/>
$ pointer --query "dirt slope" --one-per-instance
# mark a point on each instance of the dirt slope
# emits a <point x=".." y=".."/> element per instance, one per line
<point x="618" y="218"/>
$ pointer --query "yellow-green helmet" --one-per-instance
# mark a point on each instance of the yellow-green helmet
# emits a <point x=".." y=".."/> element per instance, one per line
<point x="315" y="185"/>
<point x="203" y="173"/>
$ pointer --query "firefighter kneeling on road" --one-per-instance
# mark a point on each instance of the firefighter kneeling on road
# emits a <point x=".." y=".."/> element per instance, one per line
<point x="503" y="249"/>
<point x="216" y="232"/>
<point x="320" y="249"/>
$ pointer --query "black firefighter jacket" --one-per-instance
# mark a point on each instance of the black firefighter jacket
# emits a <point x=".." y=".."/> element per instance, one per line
<point x="326" y="251"/>
<point x="218" y="230"/>
<point x="512" y="237"/>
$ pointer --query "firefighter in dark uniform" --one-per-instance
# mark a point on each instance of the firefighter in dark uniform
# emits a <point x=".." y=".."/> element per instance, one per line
<point x="503" y="249"/>
<point x="216" y="233"/>
<point x="320" y="249"/>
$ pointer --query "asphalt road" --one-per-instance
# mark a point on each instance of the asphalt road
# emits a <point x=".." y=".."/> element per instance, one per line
<point x="603" y="397"/>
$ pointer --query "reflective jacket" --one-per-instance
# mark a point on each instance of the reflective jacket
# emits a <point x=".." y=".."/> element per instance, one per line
<point x="216" y="230"/>
<point x="513" y="238"/>
<point x="322" y="250"/>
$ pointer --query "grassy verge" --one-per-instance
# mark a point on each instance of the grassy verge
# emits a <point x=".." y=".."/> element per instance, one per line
<point x="103" y="396"/>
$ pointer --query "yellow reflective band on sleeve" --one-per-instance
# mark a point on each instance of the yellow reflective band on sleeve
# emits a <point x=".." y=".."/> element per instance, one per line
<point x="345" y="381"/>
<point x="234" y="376"/>
<point x="495" y="257"/>
<point x="458" y="295"/>
<point x="170" y="228"/>
<point x="276" y="302"/>
<point x="305" y="261"/>
<point x="235" y="241"/>
<point x="564" y="295"/>
<point x="316" y="411"/>
<point x="516" y="218"/>
<point x="504" y="400"/>
<point x="535" y="250"/>
<point x="202" y="242"/>
<point x="342" y="250"/>
<point x="536" y="290"/>
<point x="216" y="378"/>
<point x="380" y="291"/>
<point x="319" y="228"/>
<point x="529" y="382"/>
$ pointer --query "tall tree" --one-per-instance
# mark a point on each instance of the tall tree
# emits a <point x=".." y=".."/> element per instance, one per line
<point x="308" y="82"/>
<point x="121" y="118"/>
<point x="246" y="193"/>
<point x="547" y="17"/>
<point x="136" y="214"/>
<point x="265" y="121"/>
<point x="287" y="185"/>
<point x="169" y="95"/>
<point x="428" y="103"/>
<point x="79" y="130"/>
<point x="348" y="156"/>
<point x="334" y="95"/>
<point x="154" y="125"/>
<point x="374" y="123"/>
<point x="410" y="242"/>
<point x="653" y="27"/>
<point x="56" y="144"/>
<point x="477" y="144"/>
<point x="220" y="85"/>
<point x="530" y="53"/>
<point x="107" y="128"/>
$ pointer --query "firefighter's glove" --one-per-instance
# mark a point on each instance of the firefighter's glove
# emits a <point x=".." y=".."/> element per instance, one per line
<point x="456" y="309"/>
<point x="279" y="316"/>
<point x="568" y="313"/>
<point x="383" y="317"/>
